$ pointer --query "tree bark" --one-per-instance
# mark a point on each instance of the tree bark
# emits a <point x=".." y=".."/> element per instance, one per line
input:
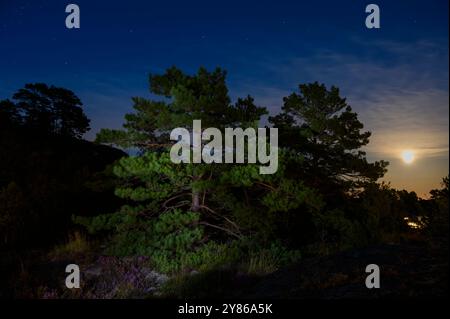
<point x="195" y="201"/>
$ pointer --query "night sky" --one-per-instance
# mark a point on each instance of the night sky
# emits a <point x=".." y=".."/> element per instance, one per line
<point x="395" y="77"/>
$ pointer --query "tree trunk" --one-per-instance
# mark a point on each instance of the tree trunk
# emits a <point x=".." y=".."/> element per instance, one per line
<point x="195" y="201"/>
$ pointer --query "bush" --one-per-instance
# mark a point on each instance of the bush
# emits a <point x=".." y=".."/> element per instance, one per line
<point x="76" y="244"/>
<point x="268" y="260"/>
<point x="173" y="240"/>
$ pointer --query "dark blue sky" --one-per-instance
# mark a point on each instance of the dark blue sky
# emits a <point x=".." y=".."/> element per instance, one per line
<point x="396" y="77"/>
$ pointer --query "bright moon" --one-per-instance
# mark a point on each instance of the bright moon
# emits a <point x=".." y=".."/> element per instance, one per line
<point x="408" y="157"/>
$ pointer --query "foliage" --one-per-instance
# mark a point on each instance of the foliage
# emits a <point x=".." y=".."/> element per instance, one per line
<point x="196" y="203"/>
<point x="244" y="260"/>
<point x="321" y="126"/>
<point x="438" y="215"/>
<point x="267" y="260"/>
<point x="48" y="109"/>
<point x="185" y="98"/>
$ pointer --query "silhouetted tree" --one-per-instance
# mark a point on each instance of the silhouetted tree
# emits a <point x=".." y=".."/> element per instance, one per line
<point x="51" y="110"/>
<point x="439" y="211"/>
<point x="442" y="193"/>
<point x="321" y="126"/>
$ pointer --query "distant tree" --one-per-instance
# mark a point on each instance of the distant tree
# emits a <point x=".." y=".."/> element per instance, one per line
<point x="51" y="110"/>
<point x="320" y="125"/>
<point x="439" y="212"/>
<point x="442" y="193"/>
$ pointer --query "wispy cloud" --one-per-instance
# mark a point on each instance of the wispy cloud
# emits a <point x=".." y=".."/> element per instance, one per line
<point x="402" y="97"/>
<point x="399" y="90"/>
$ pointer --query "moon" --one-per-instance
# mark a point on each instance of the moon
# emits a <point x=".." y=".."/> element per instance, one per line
<point x="408" y="156"/>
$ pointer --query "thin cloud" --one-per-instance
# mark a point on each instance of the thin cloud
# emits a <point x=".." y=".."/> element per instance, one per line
<point x="403" y="100"/>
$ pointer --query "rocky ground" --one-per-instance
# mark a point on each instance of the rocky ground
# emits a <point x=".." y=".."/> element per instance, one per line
<point x="407" y="270"/>
<point x="415" y="269"/>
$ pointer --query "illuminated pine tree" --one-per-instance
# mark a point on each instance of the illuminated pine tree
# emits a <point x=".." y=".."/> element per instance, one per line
<point x="194" y="202"/>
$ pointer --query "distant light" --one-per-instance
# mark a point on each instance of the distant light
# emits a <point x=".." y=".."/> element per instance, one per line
<point x="414" y="223"/>
<point x="408" y="156"/>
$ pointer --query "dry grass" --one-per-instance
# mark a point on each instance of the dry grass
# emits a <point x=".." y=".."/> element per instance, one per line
<point x="76" y="244"/>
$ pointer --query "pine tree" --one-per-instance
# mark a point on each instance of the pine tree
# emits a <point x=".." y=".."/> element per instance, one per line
<point x="320" y="125"/>
<point x="198" y="202"/>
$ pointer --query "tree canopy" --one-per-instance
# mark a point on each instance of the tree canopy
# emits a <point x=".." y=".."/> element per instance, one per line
<point x="46" y="109"/>
<point x="318" y="123"/>
<point x="184" y="98"/>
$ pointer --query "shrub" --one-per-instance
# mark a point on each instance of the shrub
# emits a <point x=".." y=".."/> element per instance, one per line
<point x="268" y="260"/>
<point x="174" y="240"/>
<point x="76" y="244"/>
